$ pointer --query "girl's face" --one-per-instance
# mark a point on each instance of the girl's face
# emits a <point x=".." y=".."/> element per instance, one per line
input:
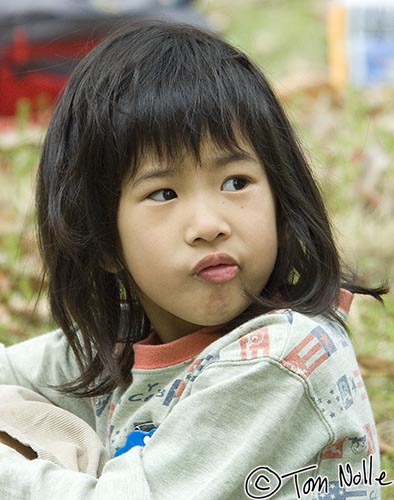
<point x="194" y="237"/>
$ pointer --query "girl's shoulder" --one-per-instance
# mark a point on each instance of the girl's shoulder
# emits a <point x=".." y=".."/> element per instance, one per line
<point x="284" y="334"/>
<point x="301" y="344"/>
<point x="315" y="350"/>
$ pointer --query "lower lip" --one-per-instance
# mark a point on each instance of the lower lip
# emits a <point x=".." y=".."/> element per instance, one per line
<point x="219" y="274"/>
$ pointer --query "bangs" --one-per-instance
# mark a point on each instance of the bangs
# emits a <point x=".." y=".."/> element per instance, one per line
<point x="177" y="89"/>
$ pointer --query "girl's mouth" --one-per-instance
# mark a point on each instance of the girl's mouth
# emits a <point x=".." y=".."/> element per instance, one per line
<point x="219" y="274"/>
<point x="216" y="268"/>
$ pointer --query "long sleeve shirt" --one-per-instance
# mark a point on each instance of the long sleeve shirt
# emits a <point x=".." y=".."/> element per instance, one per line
<point x="275" y="408"/>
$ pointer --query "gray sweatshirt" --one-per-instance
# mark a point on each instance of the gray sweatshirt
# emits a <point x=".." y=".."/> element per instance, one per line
<point x="274" y="409"/>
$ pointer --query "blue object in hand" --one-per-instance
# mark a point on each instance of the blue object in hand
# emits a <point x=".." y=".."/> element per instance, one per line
<point x="135" y="438"/>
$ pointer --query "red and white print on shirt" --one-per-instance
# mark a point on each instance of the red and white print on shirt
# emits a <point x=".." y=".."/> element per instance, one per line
<point x="336" y="492"/>
<point x="195" y="368"/>
<point x="255" y="344"/>
<point x="359" y="445"/>
<point x="359" y="384"/>
<point x="310" y="353"/>
<point x="368" y="429"/>
<point x="334" y="450"/>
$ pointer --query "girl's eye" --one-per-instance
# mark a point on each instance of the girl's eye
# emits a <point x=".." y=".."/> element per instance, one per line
<point x="235" y="184"/>
<point x="162" y="195"/>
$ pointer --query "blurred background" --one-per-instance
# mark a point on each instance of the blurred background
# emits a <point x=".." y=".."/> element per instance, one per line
<point x="332" y="65"/>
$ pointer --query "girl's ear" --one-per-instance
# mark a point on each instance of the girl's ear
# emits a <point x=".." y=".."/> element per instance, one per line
<point x="110" y="265"/>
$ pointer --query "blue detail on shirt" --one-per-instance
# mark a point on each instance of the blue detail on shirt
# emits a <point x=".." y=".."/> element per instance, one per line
<point x="135" y="438"/>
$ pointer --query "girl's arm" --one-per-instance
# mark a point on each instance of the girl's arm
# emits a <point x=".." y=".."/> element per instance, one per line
<point x="205" y="448"/>
<point x="242" y="421"/>
<point x="26" y="451"/>
<point x="270" y="413"/>
<point x="40" y="362"/>
<point x="36" y="428"/>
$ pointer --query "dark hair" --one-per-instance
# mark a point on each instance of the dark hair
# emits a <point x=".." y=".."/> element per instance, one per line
<point x="163" y="87"/>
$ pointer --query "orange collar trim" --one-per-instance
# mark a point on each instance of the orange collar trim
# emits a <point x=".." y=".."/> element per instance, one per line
<point x="150" y="353"/>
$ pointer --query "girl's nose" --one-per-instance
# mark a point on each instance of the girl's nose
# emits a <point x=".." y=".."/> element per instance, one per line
<point x="206" y="224"/>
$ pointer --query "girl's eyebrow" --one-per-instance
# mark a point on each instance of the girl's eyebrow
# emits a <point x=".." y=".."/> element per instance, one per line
<point x="154" y="174"/>
<point x="233" y="157"/>
<point x="219" y="161"/>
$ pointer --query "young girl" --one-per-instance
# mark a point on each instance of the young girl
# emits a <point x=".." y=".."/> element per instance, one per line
<point x="198" y="290"/>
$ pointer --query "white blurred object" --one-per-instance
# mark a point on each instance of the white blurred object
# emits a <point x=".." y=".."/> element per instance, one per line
<point x="361" y="42"/>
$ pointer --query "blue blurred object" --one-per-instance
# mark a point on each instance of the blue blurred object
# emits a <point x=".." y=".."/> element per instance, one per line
<point x="135" y="438"/>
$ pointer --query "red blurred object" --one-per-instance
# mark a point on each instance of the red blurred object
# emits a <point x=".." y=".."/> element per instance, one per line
<point x="37" y="71"/>
<point x="41" y="42"/>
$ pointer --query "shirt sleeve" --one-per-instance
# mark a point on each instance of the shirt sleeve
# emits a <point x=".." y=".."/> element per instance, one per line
<point x="40" y="362"/>
<point x="206" y="447"/>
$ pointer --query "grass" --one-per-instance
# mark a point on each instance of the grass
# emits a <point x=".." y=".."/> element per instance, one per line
<point x="348" y="137"/>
